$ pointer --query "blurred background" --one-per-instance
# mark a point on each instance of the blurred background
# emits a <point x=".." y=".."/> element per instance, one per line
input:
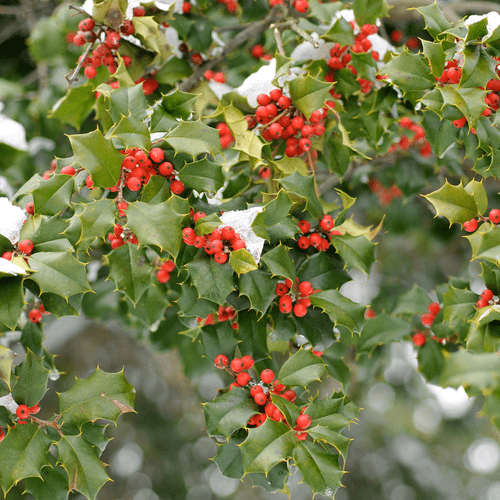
<point x="413" y="441"/>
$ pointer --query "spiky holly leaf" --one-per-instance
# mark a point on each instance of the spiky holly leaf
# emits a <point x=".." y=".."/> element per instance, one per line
<point x="430" y="361"/>
<point x="478" y="67"/>
<point x="178" y="103"/>
<point x="304" y="187"/>
<point x="110" y="12"/>
<point x="101" y="396"/>
<point x="130" y="270"/>
<point x="485" y="243"/>
<point x="252" y="333"/>
<point x="52" y="485"/>
<point x="259" y="287"/>
<point x="333" y="358"/>
<point x="308" y="94"/>
<point x="75" y="106"/>
<point x="409" y="72"/>
<point x="469" y="101"/>
<point x="368" y="12"/>
<point x="159" y="224"/>
<point x="229" y="412"/>
<point x="341" y="32"/>
<point x="476" y="189"/>
<point x="97" y="219"/>
<point x="382" y="329"/>
<point x="194" y="138"/>
<point x="127" y="100"/>
<point x="266" y="446"/>
<point x="205" y="225"/>
<point x="414" y="301"/>
<point x="242" y="262"/>
<point x="341" y="310"/>
<point x="434" y="51"/>
<point x="220" y="339"/>
<point x="490" y="274"/>
<point x="213" y="281"/>
<point x="324" y="272"/>
<point x="23" y="453"/>
<point x="202" y="175"/>
<point x="301" y="368"/>
<point x="279" y="262"/>
<point x="190" y="303"/>
<point x="156" y="190"/>
<point x="32" y="337"/>
<point x="290" y="410"/>
<point x="32" y="378"/>
<point x="94" y="434"/>
<point x="228" y="458"/>
<point x="98" y="156"/>
<point x="274" y="213"/>
<point x="53" y="195"/>
<point x="86" y="472"/>
<point x="6" y="360"/>
<point x="454" y="203"/>
<point x="12" y="300"/>
<point x="147" y="30"/>
<point x="320" y="468"/>
<point x="59" y="273"/>
<point x="435" y="20"/>
<point x="42" y="229"/>
<point x="356" y="251"/>
<point x="290" y="165"/>
<point x="131" y="132"/>
<point x="458" y="304"/>
<point x="484" y="332"/>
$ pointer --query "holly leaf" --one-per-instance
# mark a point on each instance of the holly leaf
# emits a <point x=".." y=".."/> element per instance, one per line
<point x="110" y="12"/>
<point x="430" y="361"/>
<point x="435" y="53"/>
<point x="341" y="32"/>
<point x="341" y="310"/>
<point x="6" y="360"/>
<point x="98" y="156"/>
<point x="23" y="453"/>
<point x="478" y="67"/>
<point x="252" y="333"/>
<point x="274" y="213"/>
<point x="228" y="458"/>
<point x="266" y="446"/>
<point x="75" y="106"/>
<point x="332" y="356"/>
<point x="308" y="94"/>
<point x="279" y="263"/>
<point x="205" y="225"/>
<point x="147" y="30"/>
<point x="97" y="218"/>
<point x="32" y="378"/>
<point x="178" y="103"/>
<point x="259" y="287"/>
<point x="159" y="224"/>
<point x="409" y="72"/>
<point x="130" y="270"/>
<point x="190" y="303"/>
<point x="454" y="203"/>
<point x="242" y="262"/>
<point x="128" y="101"/>
<point x="435" y="21"/>
<point x="229" y="412"/>
<point x="202" y="175"/>
<point x="194" y="138"/>
<point x="458" y="304"/>
<point x="414" y="301"/>
<point x="368" y="11"/>
<point x="485" y="243"/>
<point x="101" y="396"/>
<point x="53" y="195"/>
<point x="156" y="190"/>
<point x="470" y="101"/>
<point x="324" y="272"/>
<point x="220" y="339"/>
<point x="52" y="485"/>
<point x="301" y="368"/>
<point x="213" y="281"/>
<point x="303" y="187"/>
<point x="86" y="472"/>
<point x="131" y="132"/>
<point x="490" y="274"/>
<point x="12" y="300"/>
<point x="59" y="273"/>
<point x="382" y="329"/>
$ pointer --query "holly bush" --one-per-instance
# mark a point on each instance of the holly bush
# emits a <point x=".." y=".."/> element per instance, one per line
<point x="228" y="169"/>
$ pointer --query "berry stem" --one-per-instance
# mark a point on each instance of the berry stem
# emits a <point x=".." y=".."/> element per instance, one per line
<point x="279" y="41"/>
<point x="71" y="77"/>
<point x="47" y="423"/>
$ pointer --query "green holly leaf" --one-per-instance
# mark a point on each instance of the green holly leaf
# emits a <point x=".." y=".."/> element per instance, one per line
<point x="32" y="378"/>
<point x="308" y="94"/>
<point x="12" y="300"/>
<point x="220" y="339"/>
<point x="411" y="302"/>
<point x="283" y="65"/>
<point x="430" y="361"/>
<point x="476" y="189"/>
<point x="194" y="138"/>
<point x="324" y="272"/>
<point x="304" y="187"/>
<point x="98" y="156"/>
<point x="131" y="132"/>
<point x="274" y="213"/>
<point x="86" y="472"/>
<point x="490" y="274"/>
<point x="101" y="396"/>
<point x="147" y="30"/>
<point x="97" y="218"/>
<point x="213" y="281"/>
<point x="42" y="229"/>
<point x="178" y="103"/>
<point x="470" y="101"/>
<point x="110" y="12"/>
<point x="242" y="262"/>
<point x="279" y="263"/>
<point x="202" y="175"/>
<point x="454" y="203"/>
<point x="229" y="412"/>
<point x="383" y="329"/>
<point x="159" y="224"/>
<point x="484" y="333"/>
<point x="53" y="195"/>
<point x="409" y="72"/>
<point x="6" y="360"/>
<point x="368" y="11"/>
<point x="156" y="190"/>
<point x="94" y="434"/>
<point x="129" y="268"/>
<point x="58" y="306"/>
<point x="52" y="485"/>
<point x="476" y="371"/>
<point x="252" y="334"/>
<point x="259" y="287"/>
<point x="75" y="106"/>
<point x="341" y="310"/>
<point x="59" y="273"/>
<point x="228" y="458"/>
<point x="290" y="410"/>
<point x="333" y="358"/>
<point x="320" y="468"/>
<point x="341" y="32"/>
<point x="290" y="165"/>
<point x="478" y="68"/>
<point x="356" y="251"/>
<point x="191" y="305"/>
<point x="332" y="413"/>
<point x="32" y="337"/>
<point x="322" y="11"/>
<point x="205" y="225"/>
<point x="485" y="243"/>
<point x="440" y="133"/>
<point x="266" y="446"/>
<point x="434" y="51"/>
<point x="458" y="304"/>
<point x="301" y="368"/>
<point x="435" y="20"/>
<point x="127" y="101"/>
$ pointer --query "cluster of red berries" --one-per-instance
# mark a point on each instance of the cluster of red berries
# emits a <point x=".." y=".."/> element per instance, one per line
<point x="225" y="313"/>
<point x="319" y="238"/>
<point x="216" y="76"/>
<point x="219" y="243"/>
<point x="231" y="5"/>
<point x="163" y="274"/>
<point x="226" y="137"/>
<point x="23" y="247"/>
<point x="23" y="412"/>
<point x="413" y="136"/>
<point x="486" y="299"/>
<point x="299" y="293"/>
<point x="120" y="236"/>
<point x="427" y="319"/>
<point x="258" y="52"/>
<point x="385" y="195"/>
<point x="493" y="216"/>
<point x="301" y="6"/>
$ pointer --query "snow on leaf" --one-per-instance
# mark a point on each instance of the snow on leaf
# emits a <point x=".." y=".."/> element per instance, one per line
<point x="7" y="267"/>
<point x="258" y="83"/>
<point x="11" y="220"/>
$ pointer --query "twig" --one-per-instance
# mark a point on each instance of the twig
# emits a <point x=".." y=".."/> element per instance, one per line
<point x="73" y="76"/>
<point x="304" y="35"/>
<point x="279" y="41"/>
<point x="81" y="11"/>
<point x="47" y="423"/>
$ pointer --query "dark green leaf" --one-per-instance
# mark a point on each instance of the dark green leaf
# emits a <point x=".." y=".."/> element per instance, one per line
<point x="194" y="138"/>
<point x="382" y="329"/>
<point x="53" y="195"/>
<point x="368" y="11"/>
<point x="6" y="360"/>
<point x="304" y="187"/>
<point x="259" y="287"/>
<point x="458" y="304"/>
<point x="308" y="94"/>
<point x="219" y="339"/>
<point x="242" y="262"/>
<point x="178" y="103"/>
<point x="75" y="106"/>
<point x="274" y="213"/>
<point x="279" y="263"/>
<point x="131" y="132"/>
<point x="53" y="484"/>
<point x="435" y="21"/>
<point x="202" y="175"/>
<point x="301" y="369"/>
<point x="356" y="251"/>
<point x="12" y="300"/>
<point x="253" y="335"/>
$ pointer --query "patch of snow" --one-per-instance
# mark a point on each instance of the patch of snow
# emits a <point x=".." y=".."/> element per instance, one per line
<point x="219" y="89"/>
<point x="258" y="83"/>
<point x="493" y="22"/>
<point x="11" y="220"/>
<point x="6" y="266"/>
<point x="12" y="133"/>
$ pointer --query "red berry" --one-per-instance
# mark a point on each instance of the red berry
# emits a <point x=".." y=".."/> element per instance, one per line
<point x="434" y="308"/>
<point x="303" y="242"/>
<point x="149" y="85"/>
<point x="326" y="223"/>
<point x="138" y="11"/>
<point x="26" y="246"/>
<point x="157" y="155"/>
<point x="263" y="99"/>
<point x="247" y="362"/>
<point x="306" y="288"/>
<point x="300" y="310"/>
<point x="255" y="389"/>
<point x="7" y="255"/>
<point x="487" y="295"/>
<point x="220" y="77"/>
<point x="237" y="365"/>
<point x="68" y="170"/>
<point x="134" y="184"/>
<point x="305" y="144"/>
<point x="285" y="304"/>
<point x="35" y="316"/>
<point x="275" y="130"/>
<point x="419" y="339"/>
<point x="301" y="6"/>
<point x="494" y="215"/>
<point x="260" y="398"/>
<point x="220" y="257"/>
<point x="281" y="289"/>
<point x="290" y="395"/>
<point x="34" y="409"/>
<point x="186" y="8"/>
<point x="303" y="421"/>
<point x="267" y="376"/>
<point x="471" y="226"/>
<point x="176" y="187"/>
<point x="482" y="303"/>
<point x="30" y="207"/>
<point x="243" y="378"/>
<point x="257" y="51"/>
<point x="2" y="434"/>
<point x="227" y="233"/>
<point x="284" y="102"/>
<point x="163" y="276"/>
<point x="22" y="411"/>
<point x="86" y="25"/>
<point x="427" y="319"/>
<point x="166" y="169"/>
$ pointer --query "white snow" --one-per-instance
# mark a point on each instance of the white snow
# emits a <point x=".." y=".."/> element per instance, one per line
<point x="11" y="220"/>
<point x="6" y="266"/>
<point x="12" y="133"/>
<point x="258" y="83"/>
<point x="493" y="22"/>
<point x="9" y="403"/>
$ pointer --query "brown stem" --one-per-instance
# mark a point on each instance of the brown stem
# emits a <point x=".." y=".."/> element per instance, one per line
<point x="48" y="423"/>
